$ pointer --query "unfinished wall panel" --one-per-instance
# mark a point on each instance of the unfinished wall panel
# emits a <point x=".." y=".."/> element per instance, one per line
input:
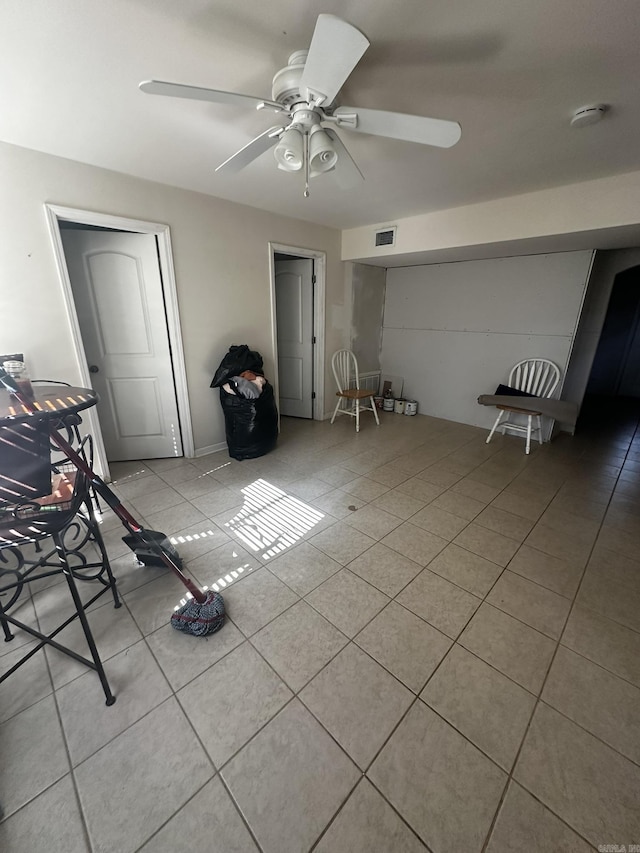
<point x="453" y="331"/>
<point x="368" y="285"/>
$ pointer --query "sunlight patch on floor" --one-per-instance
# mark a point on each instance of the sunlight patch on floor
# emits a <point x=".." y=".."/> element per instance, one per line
<point x="271" y="520"/>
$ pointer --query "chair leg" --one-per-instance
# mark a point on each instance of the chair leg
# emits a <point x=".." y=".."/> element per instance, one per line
<point x="8" y="636"/>
<point x="539" y="428"/>
<point x="82" y="616"/>
<point x="6" y="629"/>
<point x="375" y="410"/>
<point x="357" y="415"/>
<point x="528" y="447"/>
<point x="495" y="426"/>
<point x="335" y="411"/>
<point x="97" y="538"/>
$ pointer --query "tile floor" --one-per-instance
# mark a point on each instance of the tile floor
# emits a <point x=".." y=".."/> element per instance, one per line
<point x="432" y="644"/>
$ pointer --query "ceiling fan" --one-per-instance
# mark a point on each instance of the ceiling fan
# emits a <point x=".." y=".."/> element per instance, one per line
<point x="303" y="95"/>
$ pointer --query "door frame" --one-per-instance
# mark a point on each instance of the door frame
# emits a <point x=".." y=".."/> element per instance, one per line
<point x="319" y="289"/>
<point x="55" y="214"/>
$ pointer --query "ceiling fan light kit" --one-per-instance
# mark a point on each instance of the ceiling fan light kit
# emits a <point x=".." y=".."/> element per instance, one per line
<point x="289" y="152"/>
<point x="322" y="152"/>
<point x="303" y="93"/>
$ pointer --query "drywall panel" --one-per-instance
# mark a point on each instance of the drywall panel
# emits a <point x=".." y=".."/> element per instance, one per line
<point x="453" y="331"/>
<point x="523" y="294"/>
<point x="368" y="287"/>
<point x="447" y="371"/>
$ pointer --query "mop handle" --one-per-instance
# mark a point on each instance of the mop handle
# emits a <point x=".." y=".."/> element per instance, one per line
<point x="110" y="497"/>
<point x="123" y="514"/>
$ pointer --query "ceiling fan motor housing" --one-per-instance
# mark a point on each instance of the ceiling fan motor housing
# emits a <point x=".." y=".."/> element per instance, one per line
<point x="286" y="82"/>
<point x="305" y="119"/>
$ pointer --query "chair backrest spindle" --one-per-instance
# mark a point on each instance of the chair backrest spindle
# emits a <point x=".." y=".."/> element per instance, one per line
<point x="537" y="376"/>
<point x="345" y="369"/>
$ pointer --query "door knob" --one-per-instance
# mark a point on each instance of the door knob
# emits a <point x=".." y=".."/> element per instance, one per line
<point x="94" y="369"/>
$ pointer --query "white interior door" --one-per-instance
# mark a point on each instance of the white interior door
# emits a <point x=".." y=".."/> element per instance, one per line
<point x="117" y="290"/>
<point x="294" y="318"/>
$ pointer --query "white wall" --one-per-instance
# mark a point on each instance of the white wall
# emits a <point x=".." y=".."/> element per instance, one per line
<point x="221" y="256"/>
<point x="453" y="331"/>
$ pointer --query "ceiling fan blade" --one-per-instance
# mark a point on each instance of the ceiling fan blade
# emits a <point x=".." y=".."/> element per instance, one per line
<point x="335" y="50"/>
<point x="197" y="93"/>
<point x="346" y="172"/>
<point x="427" y="131"/>
<point x="251" y="151"/>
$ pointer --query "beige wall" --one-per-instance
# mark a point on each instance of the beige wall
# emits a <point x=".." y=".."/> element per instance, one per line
<point x="221" y="261"/>
<point x="530" y="223"/>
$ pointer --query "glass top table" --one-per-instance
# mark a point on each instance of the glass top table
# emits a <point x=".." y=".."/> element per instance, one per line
<point x="53" y="401"/>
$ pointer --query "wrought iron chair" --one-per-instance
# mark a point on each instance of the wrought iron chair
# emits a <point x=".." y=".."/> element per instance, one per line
<point x="69" y="426"/>
<point x="345" y="370"/>
<point x="536" y="377"/>
<point x="31" y="513"/>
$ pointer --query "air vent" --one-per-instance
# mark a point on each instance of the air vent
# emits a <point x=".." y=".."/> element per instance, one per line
<point x="386" y="237"/>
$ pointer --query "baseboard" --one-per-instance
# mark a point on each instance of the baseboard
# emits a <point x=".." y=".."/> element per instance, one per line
<point x="212" y="448"/>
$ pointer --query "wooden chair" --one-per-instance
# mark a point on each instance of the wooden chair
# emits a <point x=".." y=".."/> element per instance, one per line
<point x="345" y="370"/>
<point x="536" y="376"/>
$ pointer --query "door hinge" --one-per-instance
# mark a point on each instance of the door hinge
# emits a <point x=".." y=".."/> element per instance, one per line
<point x="313" y="395"/>
<point x="313" y="339"/>
<point x="313" y="279"/>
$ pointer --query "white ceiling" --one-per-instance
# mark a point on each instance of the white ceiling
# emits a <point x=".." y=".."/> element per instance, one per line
<point x="512" y="73"/>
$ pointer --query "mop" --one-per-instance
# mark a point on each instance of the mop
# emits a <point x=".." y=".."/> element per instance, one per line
<point x="201" y="615"/>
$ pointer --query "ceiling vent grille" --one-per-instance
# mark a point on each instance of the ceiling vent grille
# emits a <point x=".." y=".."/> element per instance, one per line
<point x="386" y="237"/>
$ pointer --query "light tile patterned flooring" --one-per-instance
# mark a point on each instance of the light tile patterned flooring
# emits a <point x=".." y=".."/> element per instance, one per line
<point x="432" y="644"/>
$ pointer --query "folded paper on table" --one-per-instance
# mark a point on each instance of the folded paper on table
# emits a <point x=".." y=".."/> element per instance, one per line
<point x="560" y="410"/>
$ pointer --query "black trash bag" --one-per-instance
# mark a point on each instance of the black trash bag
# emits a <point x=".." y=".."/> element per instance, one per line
<point x="235" y="362"/>
<point x="251" y="425"/>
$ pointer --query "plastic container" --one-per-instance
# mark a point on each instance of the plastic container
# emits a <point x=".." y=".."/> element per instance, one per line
<point x="411" y="407"/>
<point x="378" y="401"/>
<point x="399" y="406"/>
<point x="18" y="372"/>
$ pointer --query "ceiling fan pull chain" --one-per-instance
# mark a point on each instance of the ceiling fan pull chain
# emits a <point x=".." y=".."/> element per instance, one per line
<point x="306" y="165"/>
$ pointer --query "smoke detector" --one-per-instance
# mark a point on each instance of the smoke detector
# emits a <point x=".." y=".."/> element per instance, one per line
<point x="588" y="115"/>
